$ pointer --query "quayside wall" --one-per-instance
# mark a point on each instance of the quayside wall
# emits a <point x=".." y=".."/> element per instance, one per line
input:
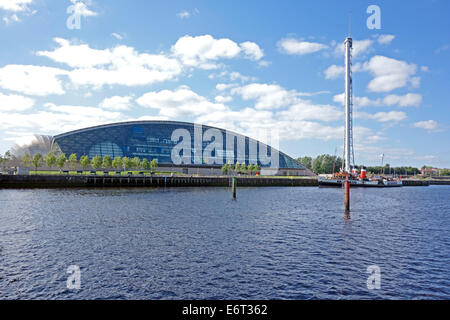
<point x="85" y="181"/>
<point x="93" y="181"/>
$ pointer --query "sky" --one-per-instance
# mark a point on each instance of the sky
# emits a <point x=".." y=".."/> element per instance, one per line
<point x="254" y="67"/>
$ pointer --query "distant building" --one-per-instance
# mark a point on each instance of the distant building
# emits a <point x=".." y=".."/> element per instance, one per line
<point x="178" y="146"/>
<point x="40" y="144"/>
<point x="429" y="171"/>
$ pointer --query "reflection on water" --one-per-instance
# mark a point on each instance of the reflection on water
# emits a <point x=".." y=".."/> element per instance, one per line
<point x="192" y="243"/>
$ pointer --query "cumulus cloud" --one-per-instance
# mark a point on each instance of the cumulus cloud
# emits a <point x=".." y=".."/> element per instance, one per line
<point x="334" y="72"/>
<point x="204" y="51"/>
<point x="267" y="96"/>
<point x="301" y="119"/>
<point x="58" y="118"/>
<point x="385" y="38"/>
<point x="116" y="35"/>
<point x="299" y="47"/>
<point x="225" y="86"/>
<point x="391" y="116"/>
<point x="252" y="122"/>
<point x="223" y="99"/>
<point x="121" y="65"/>
<point x="78" y="55"/>
<point x="80" y="8"/>
<point x="116" y="103"/>
<point x="13" y="18"/>
<point x="180" y="102"/>
<point x="15" y="102"/>
<point x="183" y="14"/>
<point x="407" y="100"/>
<point x="429" y="125"/>
<point x="390" y="74"/>
<point x="15" y="5"/>
<point x="32" y="80"/>
<point x="306" y="110"/>
<point x="252" y="50"/>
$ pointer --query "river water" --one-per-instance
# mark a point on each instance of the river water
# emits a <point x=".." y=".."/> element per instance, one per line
<point x="197" y="243"/>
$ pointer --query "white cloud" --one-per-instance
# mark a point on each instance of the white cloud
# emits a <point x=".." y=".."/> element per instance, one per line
<point x="183" y="14"/>
<point x="180" y="102"/>
<point x="237" y="76"/>
<point x="407" y="100"/>
<point x="121" y="65"/>
<point x="15" y="5"/>
<point x="78" y="55"/>
<point x="116" y="35"/>
<point x="20" y="138"/>
<point x="116" y="103"/>
<point x="267" y="96"/>
<point x="295" y="123"/>
<point x="252" y="50"/>
<point x="334" y="72"/>
<point x="305" y="110"/>
<point x="429" y="125"/>
<point x="124" y="65"/>
<point x="204" y="51"/>
<point x="10" y="19"/>
<point x="442" y="48"/>
<point x="81" y="9"/>
<point x="57" y="119"/>
<point x="32" y="80"/>
<point x="223" y="99"/>
<point x="252" y="123"/>
<point x="390" y="74"/>
<point x="233" y="76"/>
<point x="300" y="47"/>
<point x="391" y="116"/>
<point x="15" y="103"/>
<point x="225" y="86"/>
<point x="385" y="38"/>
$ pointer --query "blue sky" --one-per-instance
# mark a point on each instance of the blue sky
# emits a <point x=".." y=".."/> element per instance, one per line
<point x="247" y="66"/>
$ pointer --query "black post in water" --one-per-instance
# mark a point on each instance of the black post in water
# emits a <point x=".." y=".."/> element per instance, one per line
<point x="233" y="187"/>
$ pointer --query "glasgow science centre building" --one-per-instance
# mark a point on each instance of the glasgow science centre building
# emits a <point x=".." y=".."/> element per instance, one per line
<point x="178" y="146"/>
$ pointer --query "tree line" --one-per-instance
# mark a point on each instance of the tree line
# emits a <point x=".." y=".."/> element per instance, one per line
<point x="97" y="162"/>
<point x="240" y="168"/>
<point x="328" y="164"/>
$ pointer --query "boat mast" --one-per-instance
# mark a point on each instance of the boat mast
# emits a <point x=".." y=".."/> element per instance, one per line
<point x="348" y="141"/>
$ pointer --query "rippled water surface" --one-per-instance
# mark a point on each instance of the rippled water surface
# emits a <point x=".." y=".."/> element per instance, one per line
<point x="192" y="243"/>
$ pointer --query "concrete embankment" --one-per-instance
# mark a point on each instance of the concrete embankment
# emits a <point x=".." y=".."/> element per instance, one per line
<point x="83" y="181"/>
<point x="418" y="183"/>
<point x="415" y="183"/>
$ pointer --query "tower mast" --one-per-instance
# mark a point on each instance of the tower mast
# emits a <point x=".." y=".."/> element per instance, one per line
<point x="348" y="141"/>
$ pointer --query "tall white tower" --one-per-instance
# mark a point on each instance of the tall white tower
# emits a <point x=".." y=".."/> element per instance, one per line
<point x="348" y="142"/>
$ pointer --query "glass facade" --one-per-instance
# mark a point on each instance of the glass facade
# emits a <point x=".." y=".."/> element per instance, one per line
<point x="160" y="139"/>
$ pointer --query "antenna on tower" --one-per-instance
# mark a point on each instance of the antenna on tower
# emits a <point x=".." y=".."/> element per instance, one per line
<point x="349" y="24"/>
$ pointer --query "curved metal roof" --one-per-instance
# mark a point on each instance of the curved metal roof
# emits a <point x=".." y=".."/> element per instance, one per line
<point x="147" y="122"/>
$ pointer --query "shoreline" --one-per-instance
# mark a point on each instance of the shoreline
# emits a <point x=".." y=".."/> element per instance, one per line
<point x="92" y="181"/>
